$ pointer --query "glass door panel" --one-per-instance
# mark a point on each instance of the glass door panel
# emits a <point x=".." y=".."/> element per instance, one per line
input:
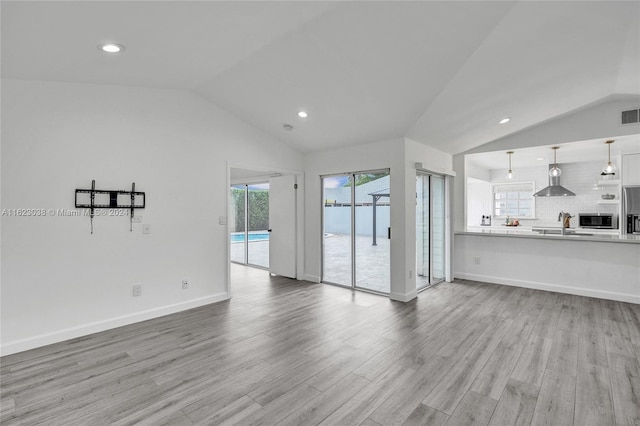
<point x="430" y="229"/>
<point x="237" y="224"/>
<point x="372" y="222"/>
<point x="336" y="232"/>
<point x="258" y="225"/>
<point x="437" y="228"/>
<point x="423" y="221"/>
<point x="248" y="224"/>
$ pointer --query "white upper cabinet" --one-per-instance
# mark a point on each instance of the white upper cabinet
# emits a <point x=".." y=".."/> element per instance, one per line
<point x="631" y="169"/>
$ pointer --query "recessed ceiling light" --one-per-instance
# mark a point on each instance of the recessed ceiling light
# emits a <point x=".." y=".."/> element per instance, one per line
<point x="540" y="158"/>
<point x="111" y="47"/>
<point x="302" y="114"/>
<point x="505" y="120"/>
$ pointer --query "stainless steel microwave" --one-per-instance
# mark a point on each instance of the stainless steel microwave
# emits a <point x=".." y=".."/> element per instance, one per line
<point x="598" y="220"/>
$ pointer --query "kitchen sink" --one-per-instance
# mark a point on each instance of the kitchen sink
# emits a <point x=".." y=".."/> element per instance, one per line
<point x="558" y="231"/>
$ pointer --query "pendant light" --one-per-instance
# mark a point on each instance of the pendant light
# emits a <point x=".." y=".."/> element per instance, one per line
<point x="609" y="169"/>
<point x="510" y="173"/>
<point x="555" y="170"/>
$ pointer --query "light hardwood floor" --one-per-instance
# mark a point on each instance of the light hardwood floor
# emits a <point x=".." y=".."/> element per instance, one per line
<point x="291" y="353"/>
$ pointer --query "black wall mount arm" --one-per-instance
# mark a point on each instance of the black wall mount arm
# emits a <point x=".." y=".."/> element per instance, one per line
<point x="117" y="199"/>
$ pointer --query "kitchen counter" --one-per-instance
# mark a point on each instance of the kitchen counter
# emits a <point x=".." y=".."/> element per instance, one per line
<point x="593" y="235"/>
<point x="603" y="266"/>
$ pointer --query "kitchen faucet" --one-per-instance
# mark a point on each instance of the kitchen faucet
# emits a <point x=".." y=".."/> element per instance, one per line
<point x="564" y="217"/>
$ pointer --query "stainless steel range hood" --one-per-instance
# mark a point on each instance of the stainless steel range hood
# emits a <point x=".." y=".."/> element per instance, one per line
<point x="554" y="189"/>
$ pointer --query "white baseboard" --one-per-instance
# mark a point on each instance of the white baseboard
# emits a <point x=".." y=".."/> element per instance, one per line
<point x="98" y="326"/>
<point x="398" y="297"/>
<point x="578" y="291"/>
<point x="311" y="278"/>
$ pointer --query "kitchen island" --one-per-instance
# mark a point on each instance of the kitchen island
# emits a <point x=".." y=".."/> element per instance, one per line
<point x="598" y="265"/>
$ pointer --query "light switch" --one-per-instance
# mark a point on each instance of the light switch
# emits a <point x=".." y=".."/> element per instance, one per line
<point x="146" y="229"/>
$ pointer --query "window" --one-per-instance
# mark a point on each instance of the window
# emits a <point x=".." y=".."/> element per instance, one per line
<point x="514" y="199"/>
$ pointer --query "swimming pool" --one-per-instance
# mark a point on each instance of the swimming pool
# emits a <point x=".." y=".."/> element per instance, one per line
<point x="257" y="236"/>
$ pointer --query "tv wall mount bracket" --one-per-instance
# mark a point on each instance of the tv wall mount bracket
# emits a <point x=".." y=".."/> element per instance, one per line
<point x="117" y="199"/>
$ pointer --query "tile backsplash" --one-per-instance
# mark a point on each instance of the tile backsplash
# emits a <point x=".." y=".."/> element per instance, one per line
<point x="580" y="178"/>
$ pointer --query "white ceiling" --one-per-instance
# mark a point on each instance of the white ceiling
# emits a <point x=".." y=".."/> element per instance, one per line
<point x="442" y="73"/>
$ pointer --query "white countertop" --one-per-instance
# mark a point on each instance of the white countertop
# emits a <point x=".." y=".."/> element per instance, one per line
<point x="608" y="236"/>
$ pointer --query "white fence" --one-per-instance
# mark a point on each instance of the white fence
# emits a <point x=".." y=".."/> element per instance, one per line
<point x="337" y="220"/>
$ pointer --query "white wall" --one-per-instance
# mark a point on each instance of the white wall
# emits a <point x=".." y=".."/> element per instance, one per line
<point x="459" y="190"/>
<point x="476" y="172"/>
<point x="478" y="202"/>
<point x="58" y="280"/>
<point x="398" y="155"/>
<point x="587" y="268"/>
<point x="431" y="158"/>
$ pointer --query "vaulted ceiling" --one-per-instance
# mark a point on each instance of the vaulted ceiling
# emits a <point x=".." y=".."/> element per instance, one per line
<point x="440" y="72"/>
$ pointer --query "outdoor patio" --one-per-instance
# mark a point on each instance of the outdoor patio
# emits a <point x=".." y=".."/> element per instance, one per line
<point x="372" y="262"/>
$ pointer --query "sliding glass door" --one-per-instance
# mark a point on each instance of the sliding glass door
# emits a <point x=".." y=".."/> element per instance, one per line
<point x="356" y="230"/>
<point x="238" y="224"/>
<point x="437" y="228"/>
<point x="249" y="236"/>
<point x="337" y="244"/>
<point x="430" y="229"/>
<point x="371" y="239"/>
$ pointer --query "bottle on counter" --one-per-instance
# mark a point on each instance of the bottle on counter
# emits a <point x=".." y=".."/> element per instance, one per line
<point x="483" y="223"/>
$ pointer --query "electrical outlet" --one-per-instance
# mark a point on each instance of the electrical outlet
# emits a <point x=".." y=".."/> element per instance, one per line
<point x="137" y="290"/>
<point x="185" y="284"/>
<point x="476" y="260"/>
<point x="136" y="219"/>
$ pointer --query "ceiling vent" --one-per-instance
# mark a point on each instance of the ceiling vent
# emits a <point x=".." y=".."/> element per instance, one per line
<point x="630" y="117"/>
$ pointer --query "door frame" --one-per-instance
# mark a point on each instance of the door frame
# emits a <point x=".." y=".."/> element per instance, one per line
<point x="429" y="175"/>
<point x="268" y="171"/>
<point x="352" y="220"/>
<point x="246" y="184"/>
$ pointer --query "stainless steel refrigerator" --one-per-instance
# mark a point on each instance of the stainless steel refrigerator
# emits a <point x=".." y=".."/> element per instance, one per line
<point x="631" y="209"/>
